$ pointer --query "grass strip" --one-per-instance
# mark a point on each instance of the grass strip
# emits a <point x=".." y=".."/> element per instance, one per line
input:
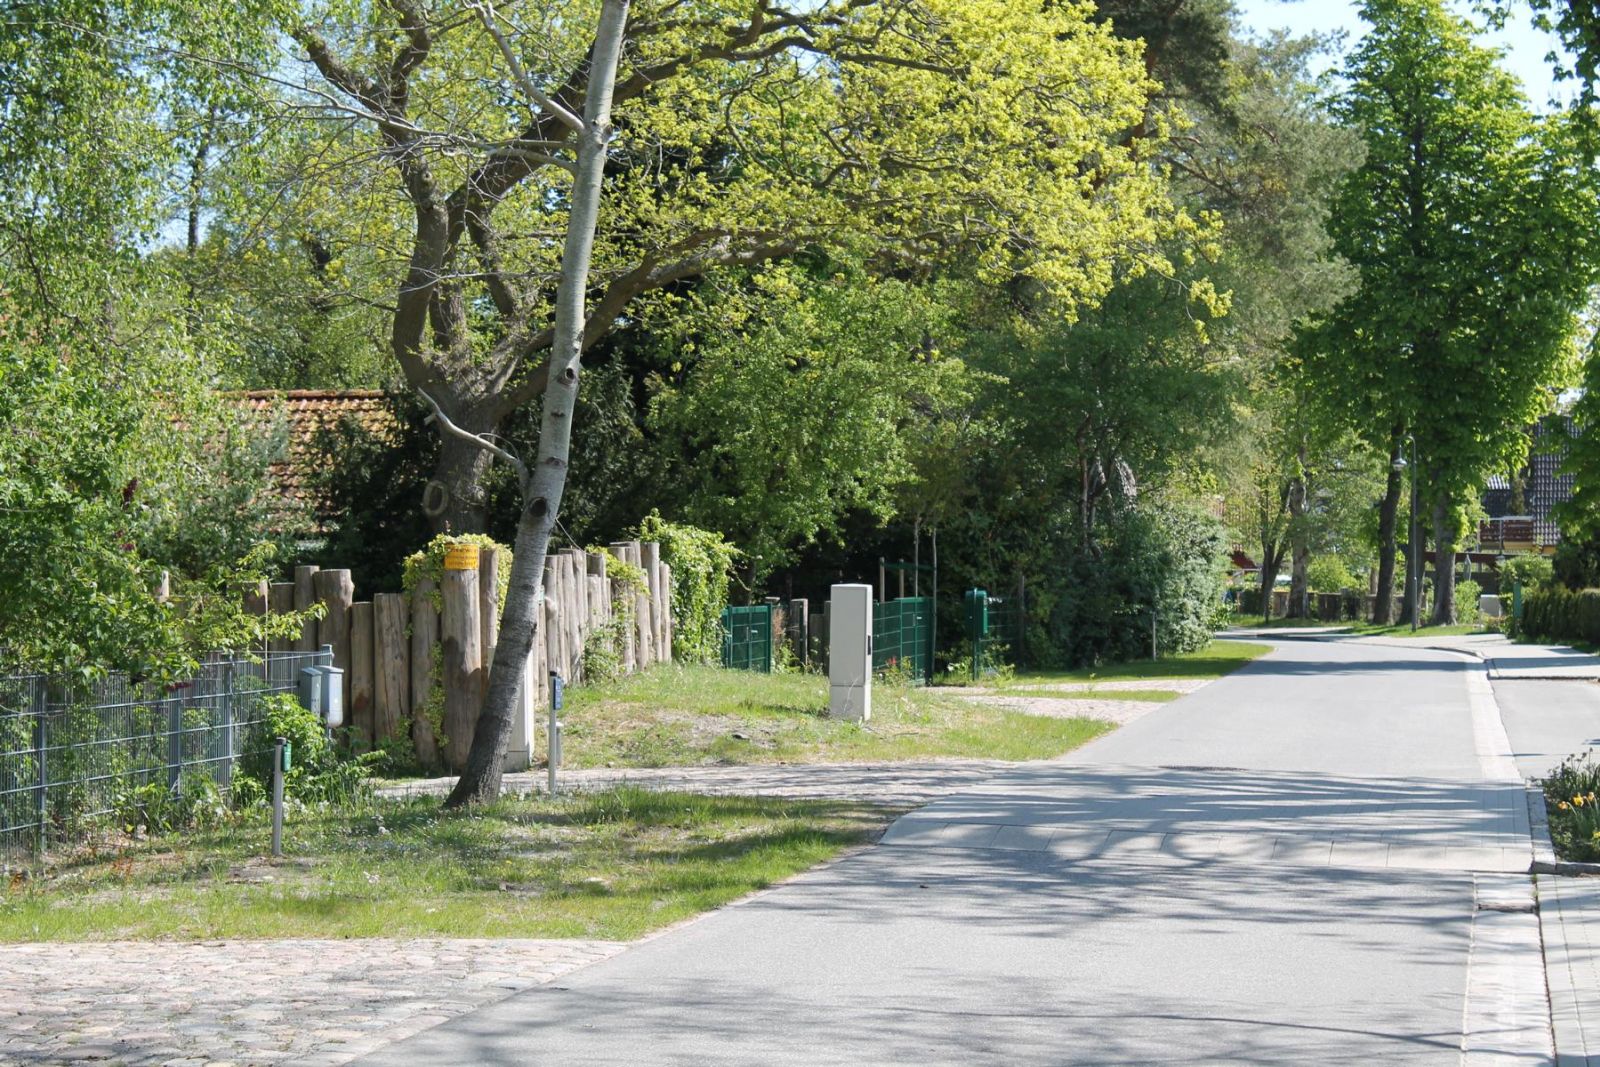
<point x="610" y="865"/>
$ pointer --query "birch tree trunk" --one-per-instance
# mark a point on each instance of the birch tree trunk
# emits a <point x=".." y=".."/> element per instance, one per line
<point x="542" y="489"/>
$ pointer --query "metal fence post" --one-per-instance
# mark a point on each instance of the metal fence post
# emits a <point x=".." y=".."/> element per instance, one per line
<point x="227" y="726"/>
<point x="174" y="742"/>
<point x="41" y="708"/>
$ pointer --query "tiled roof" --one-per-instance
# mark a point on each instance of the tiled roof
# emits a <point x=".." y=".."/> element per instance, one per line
<point x="309" y="412"/>
<point x="1544" y="485"/>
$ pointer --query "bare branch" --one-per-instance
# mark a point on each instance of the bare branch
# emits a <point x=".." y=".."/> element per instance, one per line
<point x="477" y="439"/>
<point x="536" y="96"/>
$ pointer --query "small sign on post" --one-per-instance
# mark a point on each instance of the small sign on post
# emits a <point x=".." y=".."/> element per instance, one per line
<point x="461" y="558"/>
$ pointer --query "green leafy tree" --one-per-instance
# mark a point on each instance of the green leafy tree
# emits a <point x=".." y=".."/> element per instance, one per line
<point x="1470" y="221"/>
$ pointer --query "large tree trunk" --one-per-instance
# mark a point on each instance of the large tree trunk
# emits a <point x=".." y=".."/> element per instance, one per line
<point x="454" y="499"/>
<point x="1388" y="519"/>
<point x="545" y="483"/>
<point x="1271" y="561"/>
<point x="1444" y="564"/>
<point x="1300" y="547"/>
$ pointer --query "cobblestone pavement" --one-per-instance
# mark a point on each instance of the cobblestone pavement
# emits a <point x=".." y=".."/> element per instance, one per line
<point x="308" y="1003"/>
<point x="900" y="785"/>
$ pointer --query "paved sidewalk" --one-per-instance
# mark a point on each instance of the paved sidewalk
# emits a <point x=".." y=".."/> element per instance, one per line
<point x="311" y="1003"/>
<point x="1569" y="915"/>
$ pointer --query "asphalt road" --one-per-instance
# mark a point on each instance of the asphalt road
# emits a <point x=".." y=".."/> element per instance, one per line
<point x="1091" y="940"/>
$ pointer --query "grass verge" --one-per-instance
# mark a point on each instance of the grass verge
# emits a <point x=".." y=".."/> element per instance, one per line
<point x="674" y="716"/>
<point x="1213" y="661"/>
<point x="611" y="865"/>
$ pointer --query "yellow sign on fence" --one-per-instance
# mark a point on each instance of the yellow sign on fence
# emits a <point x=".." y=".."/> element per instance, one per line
<point x="461" y="558"/>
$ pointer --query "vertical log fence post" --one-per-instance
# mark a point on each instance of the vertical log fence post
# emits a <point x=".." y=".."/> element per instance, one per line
<point x="360" y="672"/>
<point x="305" y="595"/>
<point x="488" y="606"/>
<point x="462" y="632"/>
<point x="391" y="668"/>
<point x="424" y="639"/>
<point x="336" y="591"/>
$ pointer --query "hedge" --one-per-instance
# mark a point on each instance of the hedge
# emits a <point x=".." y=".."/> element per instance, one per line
<point x="1555" y="613"/>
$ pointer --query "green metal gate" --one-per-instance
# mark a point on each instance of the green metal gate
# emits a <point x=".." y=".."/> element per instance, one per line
<point x="902" y="636"/>
<point x="747" y="638"/>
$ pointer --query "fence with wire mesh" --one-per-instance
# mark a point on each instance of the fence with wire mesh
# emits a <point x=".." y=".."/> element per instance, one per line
<point x="81" y="760"/>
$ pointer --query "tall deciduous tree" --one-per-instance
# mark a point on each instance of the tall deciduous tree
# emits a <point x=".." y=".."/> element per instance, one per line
<point x="745" y="132"/>
<point x="1470" y="223"/>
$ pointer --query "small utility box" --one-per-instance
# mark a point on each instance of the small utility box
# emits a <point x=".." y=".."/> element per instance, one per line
<point x="850" y="652"/>
<point x="332" y="696"/>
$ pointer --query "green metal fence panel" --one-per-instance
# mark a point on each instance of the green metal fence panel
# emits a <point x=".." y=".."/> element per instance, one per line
<point x="902" y="636"/>
<point x="747" y="638"/>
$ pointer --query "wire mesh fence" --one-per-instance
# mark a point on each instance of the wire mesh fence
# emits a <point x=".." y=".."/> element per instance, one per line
<point x="82" y="760"/>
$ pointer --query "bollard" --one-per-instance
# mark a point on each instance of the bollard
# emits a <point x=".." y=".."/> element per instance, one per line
<point x="280" y="760"/>
<point x="553" y="738"/>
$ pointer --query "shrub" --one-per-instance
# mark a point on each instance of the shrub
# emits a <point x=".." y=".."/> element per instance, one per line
<point x="1098" y="607"/>
<point x="1467" y="593"/>
<point x="1530" y="569"/>
<point x="317" y="774"/>
<point x="1555" y="613"/>
<point x="1328" y="574"/>
<point x="702" y="563"/>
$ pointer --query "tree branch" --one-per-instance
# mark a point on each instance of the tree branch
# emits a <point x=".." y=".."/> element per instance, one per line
<point x="477" y="439"/>
<point x="536" y="96"/>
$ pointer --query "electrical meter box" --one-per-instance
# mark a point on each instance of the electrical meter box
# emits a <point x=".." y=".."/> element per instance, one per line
<point x="850" y="652"/>
<point x="976" y="605"/>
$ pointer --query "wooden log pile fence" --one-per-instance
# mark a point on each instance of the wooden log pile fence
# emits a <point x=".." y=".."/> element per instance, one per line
<point x="417" y="665"/>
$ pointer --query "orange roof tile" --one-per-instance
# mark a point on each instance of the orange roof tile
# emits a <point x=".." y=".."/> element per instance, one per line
<point x="309" y="412"/>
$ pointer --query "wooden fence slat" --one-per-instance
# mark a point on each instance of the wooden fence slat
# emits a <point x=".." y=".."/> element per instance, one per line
<point x="666" y="612"/>
<point x="463" y="663"/>
<point x="255" y="598"/>
<point x="391" y="667"/>
<point x="650" y="561"/>
<point x="424" y="639"/>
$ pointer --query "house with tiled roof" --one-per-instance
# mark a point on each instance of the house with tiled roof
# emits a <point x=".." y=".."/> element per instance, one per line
<point x="1520" y="507"/>
<point x="308" y="413"/>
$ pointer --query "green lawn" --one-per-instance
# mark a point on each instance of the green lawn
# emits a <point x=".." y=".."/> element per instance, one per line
<point x="674" y="716"/>
<point x="1366" y="629"/>
<point x="608" y="865"/>
<point x="1215" y="660"/>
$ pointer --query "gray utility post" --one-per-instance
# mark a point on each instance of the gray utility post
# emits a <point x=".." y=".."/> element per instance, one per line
<point x="850" y="652"/>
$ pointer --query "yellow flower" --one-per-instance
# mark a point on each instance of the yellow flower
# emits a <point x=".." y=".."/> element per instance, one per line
<point x="1563" y="805"/>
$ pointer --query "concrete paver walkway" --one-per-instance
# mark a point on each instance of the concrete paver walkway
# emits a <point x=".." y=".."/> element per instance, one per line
<point x="1570" y="917"/>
